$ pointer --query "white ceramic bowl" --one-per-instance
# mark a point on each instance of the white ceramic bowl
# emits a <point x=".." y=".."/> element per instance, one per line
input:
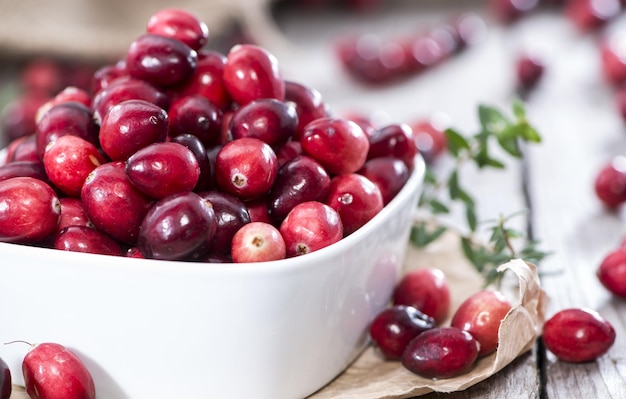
<point x="163" y="330"/>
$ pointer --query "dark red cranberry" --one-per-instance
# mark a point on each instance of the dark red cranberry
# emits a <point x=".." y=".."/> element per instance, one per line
<point x="86" y="239"/>
<point x="6" y="382"/>
<point x="32" y="169"/>
<point x="160" y="60"/>
<point x="610" y="183"/>
<point x="393" y="329"/>
<point x="72" y="214"/>
<point x="130" y="126"/>
<point x="19" y="117"/>
<point x="163" y="169"/>
<point x="288" y="151"/>
<point x="231" y="214"/>
<point x="266" y="119"/>
<point x="530" y="69"/>
<point x="26" y="150"/>
<point x="181" y="25"/>
<point x="205" y="180"/>
<point x="310" y="226"/>
<point x="257" y="242"/>
<point x="612" y="272"/>
<point x="395" y="140"/>
<point x="308" y="103"/>
<point x="258" y="210"/>
<point x="299" y="180"/>
<point x="198" y="116"/>
<point x="177" y="227"/>
<point x="251" y="72"/>
<point x="388" y="174"/>
<point x="208" y="80"/>
<point x="106" y="74"/>
<point x="134" y="252"/>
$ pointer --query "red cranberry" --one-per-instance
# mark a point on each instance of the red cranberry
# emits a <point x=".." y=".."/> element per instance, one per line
<point x="393" y="329"/>
<point x="160" y="60"/>
<point x="181" y="25"/>
<point x="258" y="210"/>
<point x="612" y="272"/>
<point x="396" y="141"/>
<point x="29" y="210"/>
<point x="86" y="239"/>
<point x="613" y="58"/>
<point x="251" y="72"/>
<point x="356" y="199"/>
<point x="431" y="141"/>
<point x="310" y="226"/>
<point x="6" y="385"/>
<point x="198" y="116"/>
<point x="130" y="126"/>
<point x="163" y="169"/>
<point x="427" y="290"/>
<point x="308" y="103"/>
<point x="258" y="242"/>
<point x="530" y="69"/>
<point x="103" y="76"/>
<point x="388" y="174"/>
<point x="68" y="161"/>
<point x="177" y="227"/>
<point x="134" y="252"/>
<point x="592" y="14"/>
<point x="246" y="167"/>
<point x="32" y="169"/>
<point x="191" y="142"/>
<point x="422" y="52"/>
<point x="113" y="204"/>
<point x="208" y="80"/>
<point x="610" y="183"/>
<point x="266" y="119"/>
<point x="231" y="214"/>
<point x="26" y="150"/>
<point x="72" y="214"/>
<point x="70" y="94"/>
<point x="444" y="352"/>
<point x="578" y="335"/>
<point x="287" y="152"/>
<point x="339" y="145"/>
<point x="42" y="76"/>
<point x="19" y="117"/>
<point x="481" y="315"/>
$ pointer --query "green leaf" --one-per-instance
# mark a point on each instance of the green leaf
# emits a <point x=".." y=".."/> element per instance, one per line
<point x="492" y="120"/>
<point x="470" y="215"/>
<point x="429" y="177"/>
<point x="421" y="236"/>
<point x="453" y="185"/>
<point x="510" y="145"/>
<point x="456" y="142"/>
<point x="438" y="207"/>
<point x="519" y="111"/>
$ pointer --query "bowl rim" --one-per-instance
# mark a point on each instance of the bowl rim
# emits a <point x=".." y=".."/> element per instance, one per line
<point x="415" y="180"/>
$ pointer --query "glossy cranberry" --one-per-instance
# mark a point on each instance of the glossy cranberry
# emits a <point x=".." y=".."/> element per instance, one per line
<point x="19" y="117"/>
<point x="613" y="58"/>
<point x="26" y="150"/>
<point x="163" y="169"/>
<point x="198" y="116"/>
<point x="509" y="11"/>
<point x="106" y="74"/>
<point x="339" y="145"/>
<point x="123" y="89"/>
<point x="393" y="329"/>
<point x="431" y="141"/>
<point x="257" y="242"/>
<point x="258" y="210"/>
<point x="86" y="239"/>
<point x="68" y="161"/>
<point x="134" y="252"/>
<point x="578" y="335"/>
<point x="287" y="152"/>
<point x="177" y="227"/>
<point x="610" y="183"/>
<point x="530" y="69"/>
<point x="395" y="140"/>
<point x="66" y="119"/>
<point x="612" y="272"/>
<point x="69" y="94"/>
<point x="130" y="126"/>
<point x="23" y="169"/>
<point x="160" y="60"/>
<point x="6" y="385"/>
<point x="299" y="180"/>
<point x="251" y="72"/>
<point x="308" y="103"/>
<point x="246" y="167"/>
<point x="443" y="352"/>
<point x="427" y="290"/>
<point x="231" y="214"/>
<point x="356" y="199"/>
<point x="72" y="214"/>
<point x="43" y="76"/>
<point x="205" y="180"/>
<point x="181" y="25"/>
<point x="112" y="202"/>
<point x="481" y="315"/>
<point x="310" y="226"/>
<point x="29" y="210"/>
<point x="588" y="15"/>
<point x="388" y="174"/>
<point x="51" y="371"/>
<point x="208" y="80"/>
<point x="266" y="119"/>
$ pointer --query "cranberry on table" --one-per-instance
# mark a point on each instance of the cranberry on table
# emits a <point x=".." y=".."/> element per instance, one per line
<point x="160" y="60"/>
<point x="163" y="169"/>
<point x="395" y="140"/>
<point x="231" y="214"/>
<point x="427" y="290"/>
<point x="612" y="272"/>
<point x="207" y="80"/>
<point x="86" y="239"/>
<point x="589" y="15"/>
<point x="130" y="126"/>
<point x="442" y="352"/>
<point x="356" y="199"/>
<point x="613" y="58"/>
<point x="6" y="385"/>
<point x="251" y="72"/>
<point x="181" y="25"/>
<point x="308" y="103"/>
<point x="177" y="227"/>
<point x="610" y="183"/>
<point x="310" y="226"/>
<point x="481" y="315"/>
<point x="257" y="242"/>
<point x="430" y="140"/>
<point x="339" y="145"/>
<point x="388" y="174"/>
<point x="246" y="167"/>
<point x="530" y="69"/>
<point x="198" y="116"/>
<point x="578" y="335"/>
<point x="266" y="119"/>
<point x="393" y="329"/>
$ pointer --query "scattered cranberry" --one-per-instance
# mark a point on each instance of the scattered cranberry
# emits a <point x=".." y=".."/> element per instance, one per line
<point x="509" y="11"/>
<point x="43" y="76"/>
<point x="257" y="242"/>
<point x="6" y="385"/>
<point x="588" y="15"/>
<point x="181" y="25"/>
<point x="310" y="226"/>
<point x="578" y="335"/>
<point x="427" y="290"/>
<point x="393" y="329"/>
<point x="443" y="352"/>
<point x="610" y="183"/>
<point x="430" y="140"/>
<point x="51" y="371"/>
<point x="612" y="272"/>
<point x="530" y="69"/>
<point x="481" y="315"/>
<point x="613" y="58"/>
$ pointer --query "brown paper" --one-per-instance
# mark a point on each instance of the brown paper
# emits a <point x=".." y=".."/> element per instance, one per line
<point x="371" y="377"/>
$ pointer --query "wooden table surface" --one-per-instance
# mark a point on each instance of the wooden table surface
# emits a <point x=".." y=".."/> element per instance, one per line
<point x="574" y="111"/>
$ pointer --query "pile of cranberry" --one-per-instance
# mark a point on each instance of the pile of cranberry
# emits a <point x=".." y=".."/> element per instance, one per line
<point x="179" y="152"/>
